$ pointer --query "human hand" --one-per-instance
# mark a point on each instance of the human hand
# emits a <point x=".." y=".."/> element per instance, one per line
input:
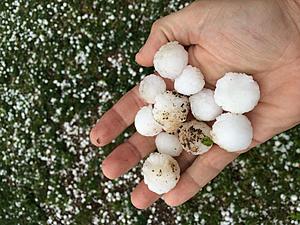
<point x="260" y="38"/>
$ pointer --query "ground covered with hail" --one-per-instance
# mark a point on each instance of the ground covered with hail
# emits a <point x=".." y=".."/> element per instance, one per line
<point x="62" y="65"/>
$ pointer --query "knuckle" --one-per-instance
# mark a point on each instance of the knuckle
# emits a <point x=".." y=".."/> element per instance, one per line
<point x="156" y="25"/>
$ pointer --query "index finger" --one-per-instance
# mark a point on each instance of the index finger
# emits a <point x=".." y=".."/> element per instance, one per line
<point x="117" y="119"/>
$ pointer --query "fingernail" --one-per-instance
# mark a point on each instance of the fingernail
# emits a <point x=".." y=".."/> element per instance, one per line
<point x="162" y="197"/>
<point x="98" y="141"/>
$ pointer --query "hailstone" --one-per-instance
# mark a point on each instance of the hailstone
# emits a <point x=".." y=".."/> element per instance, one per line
<point x="145" y="123"/>
<point x="190" y="81"/>
<point x="161" y="173"/>
<point x="170" y="60"/>
<point x="232" y="132"/>
<point x="195" y="137"/>
<point x="237" y="92"/>
<point x="170" y="110"/>
<point x="150" y="87"/>
<point x="168" y="144"/>
<point x="203" y="105"/>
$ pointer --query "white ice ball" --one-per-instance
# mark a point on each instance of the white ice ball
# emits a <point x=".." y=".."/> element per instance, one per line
<point x="203" y="105"/>
<point x="168" y="144"/>
<point x="170" y="60"/>
<point x="237" y="92"/>
<point x="161" y="173"/>
<point x="150" y="87"/>
<point x="195" y="137"/>
<point x="170" y="110"/>
<point x="232" y="132"/>
<point x="190" y="81"/>
<point x="145" y="123"/>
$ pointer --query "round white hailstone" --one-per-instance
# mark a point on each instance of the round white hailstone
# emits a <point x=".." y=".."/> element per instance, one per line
<point x="170" y="110"/>
<point x="232" y="132"/>
<point x="237" y="92"/>
<point x="150" y="87"/>
<point x="170" y="60"/>
<point x="190" y="81"/>
<point x="203" y="105"/>
<point x="195" y="137"/>
<point x="161" y="173"/>
<point x="145" y="123"/>
<point x="168" y="144"/>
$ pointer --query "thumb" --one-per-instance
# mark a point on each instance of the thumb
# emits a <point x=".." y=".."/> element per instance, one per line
<point x="176" y="26"/>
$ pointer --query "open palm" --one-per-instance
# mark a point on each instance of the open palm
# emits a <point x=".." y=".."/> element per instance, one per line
<point x="257" y="37"/>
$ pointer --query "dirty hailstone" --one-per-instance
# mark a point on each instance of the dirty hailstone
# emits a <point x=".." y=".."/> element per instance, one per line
<point x="150" y="87"/>
<point x="145" y="123"/>
<point x="170" y="110"/>
<point x="170" y="60"/>
<point x="168" y="144"/>
<point x="232" y="132"/>
<point x="161" y="172"/>
<point x="195" y="137"/>
<point x="237" y="92"/>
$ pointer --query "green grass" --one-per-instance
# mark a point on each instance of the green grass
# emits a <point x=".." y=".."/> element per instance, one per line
<point x="61" y="66"/>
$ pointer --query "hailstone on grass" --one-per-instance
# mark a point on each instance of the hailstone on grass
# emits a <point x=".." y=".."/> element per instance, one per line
<point x="232" y="132"/>
<point x="170" y="60"/>
<point x="190" y="81"/>
<point x="145" y="123"/>
<point x="203" y="105"/>
<point x="150" y="87"/>
<point x="168" y="144"/>
<point x="237" y="92"/>
<point x="170" y="110"/>
<point x="195" y="137"/>
<point x="161" y="173"/>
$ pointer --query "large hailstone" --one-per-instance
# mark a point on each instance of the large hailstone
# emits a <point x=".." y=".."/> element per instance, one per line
<point x="203" y="105"/>
<point x="161" y="173"/>
<point x="232" y="132"/>
<point x="170" y="60"/>
<point x="150" y="87"/>
<point x="168" y="144"/>
<point x="195" y="137"/>
<point x="145" y="123"/>
<point x="237" y="92"/>
<point x="190" y="81"/>
<point x="170" y="110"/>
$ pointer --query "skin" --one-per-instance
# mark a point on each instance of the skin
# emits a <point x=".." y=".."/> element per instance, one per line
<point x="257" y="37"/>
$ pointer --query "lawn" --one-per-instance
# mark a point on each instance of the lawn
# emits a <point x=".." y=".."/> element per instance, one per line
<point x="62" y="65"/>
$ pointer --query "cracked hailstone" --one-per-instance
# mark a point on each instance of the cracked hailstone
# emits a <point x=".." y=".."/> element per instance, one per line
<point x="170" y="60"/>
<point x="195" y="137"/>
<point x="190" y="81"/>
<point x="237" y="92"/>
<point x="161" y="173"/>
<point x="170" y="110"/>
<point x="203" y="105"/>
<point x="232" y="132"/>
<point x="150" y="87"/>
<point x="145" y="123"/>
<point x="168" y="144"/>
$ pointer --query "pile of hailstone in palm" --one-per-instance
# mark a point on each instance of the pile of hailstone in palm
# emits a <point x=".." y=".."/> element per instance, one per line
<point x="168" y="114"/>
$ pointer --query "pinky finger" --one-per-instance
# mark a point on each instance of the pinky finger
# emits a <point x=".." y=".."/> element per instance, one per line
<point x="202" y="171"/>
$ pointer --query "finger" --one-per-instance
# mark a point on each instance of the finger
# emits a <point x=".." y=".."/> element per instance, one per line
<point x="142" y="197"/>
<point x="170" y="28"/>
<point x="203" y="170"/>
<point x="117" y="119"/>
<point x="156" y="39"/>
<point x="127" y="155"/>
